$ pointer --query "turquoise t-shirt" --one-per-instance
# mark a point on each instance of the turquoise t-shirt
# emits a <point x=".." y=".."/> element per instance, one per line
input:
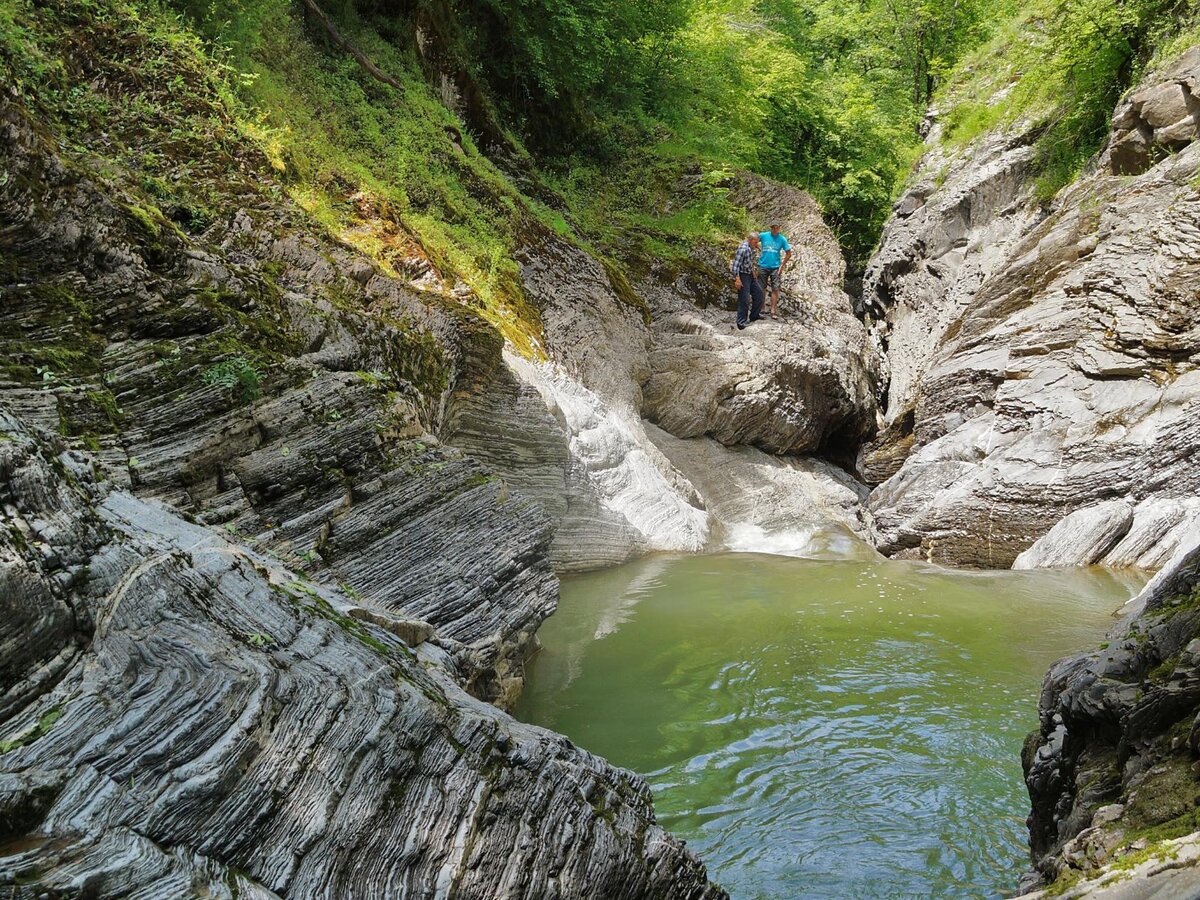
<point x="771" y="248"/>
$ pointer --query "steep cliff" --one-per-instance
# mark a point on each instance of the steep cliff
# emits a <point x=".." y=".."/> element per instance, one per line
<point x="1042" y="359"/>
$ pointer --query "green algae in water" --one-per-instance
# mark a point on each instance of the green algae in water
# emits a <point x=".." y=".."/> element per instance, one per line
<point x="821" y="729"/>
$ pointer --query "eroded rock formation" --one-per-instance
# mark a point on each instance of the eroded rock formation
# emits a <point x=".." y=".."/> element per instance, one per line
<point x="277" y="388"/>
<point x="1111" y="770"/>
<point x="803" y="383"/>
<point x="250" y="602"/>
<point x="1042" y="362"/>
<point x="256" y="591"/>
<point x="663" y="350"/>
<point x="185" y="715"/>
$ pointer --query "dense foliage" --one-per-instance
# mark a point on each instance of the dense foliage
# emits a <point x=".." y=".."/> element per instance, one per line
<point x="634" y="112"/>
<point x="1062" y="65"/>
<point x="823" y="94"/>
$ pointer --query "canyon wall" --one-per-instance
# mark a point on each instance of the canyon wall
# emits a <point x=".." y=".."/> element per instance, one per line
<point x="1043" y="395"/>
<point x="183" y="714"/>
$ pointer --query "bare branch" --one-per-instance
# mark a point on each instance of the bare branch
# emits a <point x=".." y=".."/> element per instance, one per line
<point x="361" y="58"/>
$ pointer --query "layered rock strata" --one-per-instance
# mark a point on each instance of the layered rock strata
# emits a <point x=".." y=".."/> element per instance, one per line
<point x="274" y="386"/>
<point x="1112" y="769"/>
<point x="180" y="714"/>
<point x="1042" y="362"/>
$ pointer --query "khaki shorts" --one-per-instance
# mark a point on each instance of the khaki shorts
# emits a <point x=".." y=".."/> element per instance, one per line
<point x="769" y="278"/>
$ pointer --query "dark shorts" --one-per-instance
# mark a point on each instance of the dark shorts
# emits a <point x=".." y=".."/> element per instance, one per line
<point x="769" y="278"/>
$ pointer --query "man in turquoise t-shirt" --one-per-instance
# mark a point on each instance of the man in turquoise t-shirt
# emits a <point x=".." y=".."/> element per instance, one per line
<point x="771" y="265"/>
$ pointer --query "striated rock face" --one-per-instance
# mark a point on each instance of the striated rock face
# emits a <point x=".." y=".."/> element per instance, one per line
<point x="1117" y="533"/>
<point x="183" y="715"/>
<point x="568" y="431"/>
<point x="1111" y="769"/>
<point x="1055" y="362"/>
<point x="278" y="388"/>
<point x="948" y="234"/>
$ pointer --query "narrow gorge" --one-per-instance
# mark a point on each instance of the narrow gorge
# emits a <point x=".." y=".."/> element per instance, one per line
<point x="288" y="488"/>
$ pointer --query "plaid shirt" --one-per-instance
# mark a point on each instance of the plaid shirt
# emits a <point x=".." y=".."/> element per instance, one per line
<point x="745" y="260"/>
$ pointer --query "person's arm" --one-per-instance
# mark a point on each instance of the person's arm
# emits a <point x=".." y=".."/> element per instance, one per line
<point x="787" y="254"/>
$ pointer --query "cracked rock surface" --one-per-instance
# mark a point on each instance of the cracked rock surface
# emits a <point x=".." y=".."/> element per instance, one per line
<point x="1111" y="769"/>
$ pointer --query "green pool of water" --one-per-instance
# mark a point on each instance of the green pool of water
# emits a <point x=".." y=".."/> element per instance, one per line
<point x="815" y="728"/>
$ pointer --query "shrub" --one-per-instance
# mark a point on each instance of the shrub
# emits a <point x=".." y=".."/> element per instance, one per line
<point x="237" y="375"/>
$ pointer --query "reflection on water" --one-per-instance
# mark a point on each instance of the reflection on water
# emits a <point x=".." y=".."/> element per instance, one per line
<point x="817" y="728"/>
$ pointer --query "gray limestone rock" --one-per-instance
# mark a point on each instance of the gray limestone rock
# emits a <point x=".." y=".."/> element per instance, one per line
<point x="1049" y="366"/>
<point x="802" y="383"/>
<point x="1081" y="538"/>
<point x="1161" y="117"/>
<point x="760" y="503"/>
<point x="233" y="378"/>
<point x="198" y="718"/>
<point x="665" y="349"/>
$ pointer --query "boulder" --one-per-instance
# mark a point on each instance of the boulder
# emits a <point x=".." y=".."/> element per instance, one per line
<point x="801" y="383"/>
<point x="1081" y="538"/>
<point x="1161" y="116"/>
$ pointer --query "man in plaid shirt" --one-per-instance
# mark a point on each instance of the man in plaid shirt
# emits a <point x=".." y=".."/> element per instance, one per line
<point x="745" y="281"/>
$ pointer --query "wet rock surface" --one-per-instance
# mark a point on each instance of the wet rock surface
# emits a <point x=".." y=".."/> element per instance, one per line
<point x="1112" y="769"/>
<point x="663" y="350"/>
<point x="1041" y="361"/>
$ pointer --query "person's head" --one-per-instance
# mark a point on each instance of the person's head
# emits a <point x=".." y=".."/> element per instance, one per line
<point x="754" y="239"/>
<point x="774" y="229"/>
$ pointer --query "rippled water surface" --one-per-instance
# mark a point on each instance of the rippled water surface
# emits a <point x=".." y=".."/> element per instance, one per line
<point x="821" y="729"/>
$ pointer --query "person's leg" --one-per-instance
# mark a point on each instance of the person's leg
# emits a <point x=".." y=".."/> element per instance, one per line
<point x="756" y="292"/>
<point x="773" y="284"/>
<point x="744" y="300"/>
<point x="764" y="280"/>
